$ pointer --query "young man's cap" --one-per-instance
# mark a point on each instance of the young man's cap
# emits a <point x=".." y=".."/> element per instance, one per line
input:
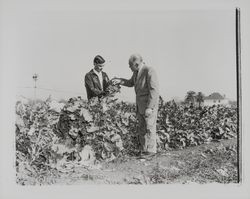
<point x="99" y="59"/>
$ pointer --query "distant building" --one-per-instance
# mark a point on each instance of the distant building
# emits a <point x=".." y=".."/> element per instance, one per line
<point x="216" y="99"/>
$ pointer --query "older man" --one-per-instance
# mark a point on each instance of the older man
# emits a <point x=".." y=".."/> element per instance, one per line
<point x="146" y="87"/>
<point x="96" y="81"/>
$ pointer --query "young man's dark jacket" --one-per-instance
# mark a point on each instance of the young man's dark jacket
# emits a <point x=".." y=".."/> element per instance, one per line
<point x="93" y="86"/>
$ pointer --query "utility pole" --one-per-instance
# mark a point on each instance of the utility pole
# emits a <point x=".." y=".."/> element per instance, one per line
<point x="35" y="78"/>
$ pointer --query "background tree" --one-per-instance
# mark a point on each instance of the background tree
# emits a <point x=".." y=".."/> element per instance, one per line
<point x="190" y="97"/>
<point x="200" y="98"/>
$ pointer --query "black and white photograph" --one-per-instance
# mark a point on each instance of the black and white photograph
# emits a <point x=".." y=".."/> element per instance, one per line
<point x="122" y="96"/>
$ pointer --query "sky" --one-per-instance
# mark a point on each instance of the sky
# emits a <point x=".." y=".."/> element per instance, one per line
<point x="189" y="49"/>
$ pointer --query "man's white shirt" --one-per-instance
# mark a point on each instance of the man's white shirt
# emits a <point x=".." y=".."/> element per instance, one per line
<point x="100" y="77"/>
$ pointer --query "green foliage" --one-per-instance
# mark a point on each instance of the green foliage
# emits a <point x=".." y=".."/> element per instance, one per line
<point x="107" y="126"/>
<point x="34" y="141"/>
<point x="182" y="126"/>
<point x="48" y="137"/>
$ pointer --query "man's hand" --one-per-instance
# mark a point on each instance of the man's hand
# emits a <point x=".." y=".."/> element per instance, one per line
<point x="116" y="80"/>
<point x="148" y="112"/>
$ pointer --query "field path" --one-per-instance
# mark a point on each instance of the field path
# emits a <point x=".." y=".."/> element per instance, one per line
<point x="213" y="162"/>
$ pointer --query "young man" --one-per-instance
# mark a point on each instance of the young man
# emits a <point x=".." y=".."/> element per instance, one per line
<point x="96" y="81"/>
<point x="146" y="87"/>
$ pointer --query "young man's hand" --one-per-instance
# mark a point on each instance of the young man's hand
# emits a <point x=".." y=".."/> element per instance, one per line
<point x="103" y="93"/>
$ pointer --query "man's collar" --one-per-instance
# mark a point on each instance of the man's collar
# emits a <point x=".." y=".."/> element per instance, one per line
<point x="94" y="71"/>
<point x="140" y="67"/>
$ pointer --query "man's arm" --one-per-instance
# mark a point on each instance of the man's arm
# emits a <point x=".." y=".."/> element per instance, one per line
<point x="127" y="82"/>
<point x="90" y="85"/>
<point x="153" y="86"/>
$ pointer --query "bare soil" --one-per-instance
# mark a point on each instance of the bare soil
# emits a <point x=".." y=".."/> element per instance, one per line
<point x="208" y="163"/>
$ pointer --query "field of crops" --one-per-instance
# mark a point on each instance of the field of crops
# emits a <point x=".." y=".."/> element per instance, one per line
<point x="53" y="138"/>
